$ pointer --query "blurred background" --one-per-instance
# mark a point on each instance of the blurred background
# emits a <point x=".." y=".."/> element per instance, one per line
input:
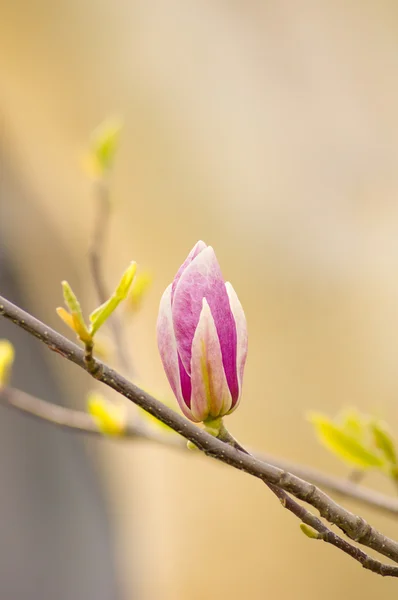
<point x="270" y="130"/>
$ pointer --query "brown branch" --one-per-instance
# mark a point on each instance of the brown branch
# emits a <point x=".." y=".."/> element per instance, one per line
<point x="355" y="527"/>
<point x="81" y="422"/>
<point x="95" y="254"/>
<point x="324" y="533"/>
<point x="337" y="485"/>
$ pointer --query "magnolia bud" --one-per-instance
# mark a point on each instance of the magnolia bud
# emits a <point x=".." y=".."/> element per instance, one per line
<point x="202" y="338"/>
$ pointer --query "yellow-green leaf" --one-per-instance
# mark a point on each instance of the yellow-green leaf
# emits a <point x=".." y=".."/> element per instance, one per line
<point x="343" y="445"/>
<point x="103" y="312"/>
<point x="109" y="418"/>
<point x="394" y="473"/>
<point x="127" y="279"/>
<point x="354" y="424"/>
<point x="81" y="329"/>
<point x="384" y="441"/>
<point x="309" y="531"/>
<point x="104" y="144"/>
<point x="77" y="321"/>
<point x="71" y="300"/>
<point x="191" y="446"/>
<point x="66" y="317"/>
<point x="7" y="355"/>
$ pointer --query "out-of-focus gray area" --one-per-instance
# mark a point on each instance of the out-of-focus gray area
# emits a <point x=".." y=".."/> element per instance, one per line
<point x="55" y="541"/>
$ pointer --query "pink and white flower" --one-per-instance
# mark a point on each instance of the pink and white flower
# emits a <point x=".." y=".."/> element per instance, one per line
<point x="202" y="337"/>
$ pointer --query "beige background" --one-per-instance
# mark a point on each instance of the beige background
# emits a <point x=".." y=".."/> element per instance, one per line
<point x="268" y="129"/>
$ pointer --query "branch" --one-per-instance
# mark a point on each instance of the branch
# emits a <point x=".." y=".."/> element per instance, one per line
<point x="353" y="526"/>
<point x="340" y="486"/>
<point x="102" y="216"/>
<point x="305" y="516"/>
<point x="81" y="422"/>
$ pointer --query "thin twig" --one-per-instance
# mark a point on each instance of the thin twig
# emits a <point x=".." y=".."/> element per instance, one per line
<point x="308" y="518"/>
<point x="337" y="485"/>
<point x="81" y="422"/>
<point x="96" y="252"/>
<point x="355" y="527"/>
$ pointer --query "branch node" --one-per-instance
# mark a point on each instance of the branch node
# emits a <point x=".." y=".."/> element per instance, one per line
<point x="93" y="367"/>
<point x="310" y="494"/>
<point x="362" y="533"/>
<point x="284" y="480"/>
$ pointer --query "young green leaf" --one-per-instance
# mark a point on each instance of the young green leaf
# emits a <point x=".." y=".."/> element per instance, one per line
<point x="354" y="424"/>
<point x="7" y="355"/>
<point x="103" y="312"/>
<point x="127" y="279"/>
<point x="66" y="317"/>
<point x="104" y="144"/>
<point x="71" y="300"/>
<point x="77" y="321"/>
<point x="191" y="446"/>
<point x="109" y="418"/>
<point x="309" y="531"/>
<point x="344" y="445"/>
<point x="384" y="441"/>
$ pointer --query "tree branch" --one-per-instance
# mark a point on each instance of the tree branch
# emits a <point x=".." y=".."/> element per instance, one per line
<point x="102" y="216"/>
<point x="353" y="526"/>
<point x="305" y="516"/>
<point x="81" y="422"/>
<point x="337" y="485"/>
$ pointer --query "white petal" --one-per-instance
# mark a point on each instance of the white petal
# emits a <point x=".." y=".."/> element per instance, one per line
<point x="210" y="395"/>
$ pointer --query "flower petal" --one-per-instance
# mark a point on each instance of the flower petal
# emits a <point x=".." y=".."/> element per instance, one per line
<point x="168" y="350"/>
<point x="210" y="392"/>
<point x="241" y="331"/>
<point x="202" y="278"/>
<point x="199" y="246"/>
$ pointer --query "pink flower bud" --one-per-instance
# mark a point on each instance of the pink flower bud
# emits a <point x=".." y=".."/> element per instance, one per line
<point x="202" y="337"/>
